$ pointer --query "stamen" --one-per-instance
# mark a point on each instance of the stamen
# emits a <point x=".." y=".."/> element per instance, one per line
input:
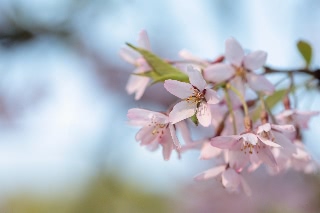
<point x="196" y="96"/>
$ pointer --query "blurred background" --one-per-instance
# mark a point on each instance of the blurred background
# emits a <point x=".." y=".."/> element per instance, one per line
<point x="64" y="142"/>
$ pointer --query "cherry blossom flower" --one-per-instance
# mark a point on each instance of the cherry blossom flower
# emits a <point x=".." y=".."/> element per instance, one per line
<point x="208" y="151"/>
<point x="241" y="67"/>
<point x="137" y="84"/>
<point x="302" y="160"/>
<point x="252" y="146"/>
<point x="299" y="159"/>
<point x="296" y="117"/>
<point x="230" y="178"/>
<point x="156" y="130"/>
<point x="196" y="96"/>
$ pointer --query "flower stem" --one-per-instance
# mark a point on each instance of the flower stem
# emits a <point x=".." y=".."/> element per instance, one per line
<point x="228" y="100"/>
<point x="265" y="108"/>
<point x="241" y="98"/>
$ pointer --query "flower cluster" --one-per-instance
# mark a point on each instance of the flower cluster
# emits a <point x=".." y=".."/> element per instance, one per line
<point x="228" y="96"/>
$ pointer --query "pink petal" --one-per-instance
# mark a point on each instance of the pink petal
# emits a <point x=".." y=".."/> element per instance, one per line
<point x="237" y="83"/>
<point x="259" y="83"/>
<point x="234" y="52"/>
<point x="224" y="142"/>
<point x="288" y="147"/>
<point x="212" y="96"/>
<point x="184" y="130"/>
<point x="167" y="145"/>
<point x="196" y="78"/>
<point x="137" y="84"/>
<point x="238" y="159"/>
<point x="208" y="151"/>
<point x="174" y="137"/>
<point x="250" y="138"/>
<point x="180" y="89"/>
<point x="254" y="166"/>
<point x="218" y="72"/>
<point x="268" y="142"/>
<point x="302" y="118"/>
<point x="283" y="128"/>
<point x="255" y="60"/>
<point x="245" y="187"/>
<point x="153" y="146"/>
<point x="181" y="111"/>
<point x="301" y="152"/>
<point x="264" y="128"/>
<point x="143" y="40"/>
<point x="185" y="54"/>
<point x="204" y="114"/>
<point x="145" y="135"/>
<point x="210" y="173"/>
<point x="267" y="157"/>
<point x="231" y="180"/>
<point x="129" y="55"/>
<point x="145" y="116"/>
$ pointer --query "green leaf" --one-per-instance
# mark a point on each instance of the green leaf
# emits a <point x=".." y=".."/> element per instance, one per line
<point x="305" y="50"/>
<point x="161" y="70"/>
<point x="173" y="76"/>
<point x="271" y="101"/>
<point x="150" y="74"/>
<point x="161" y="78"/>
<point x="194" y="119"/>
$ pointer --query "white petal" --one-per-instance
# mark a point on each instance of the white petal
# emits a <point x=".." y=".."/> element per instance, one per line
<point x="283" y="128"/>
<point x="180" y="89"/>
<point x="250" y="138"/>
<point x="181" y="111"/>
<point x="224" y="142"/>
<point x="218" y="72"/>
<point x="255" y="60"/>
<point x="210" y="173"/>
<point x="230" y="180"/>
<point x="143" y="40"/>
<point x="259" y="83"/>
<point x="268" y="142"/>
<point x="212" y="96"/>
<point x="204" y="114"/>
<point x="234" y="52"/>
<point x="264" y="128"/>
<point x="196" y="78"/>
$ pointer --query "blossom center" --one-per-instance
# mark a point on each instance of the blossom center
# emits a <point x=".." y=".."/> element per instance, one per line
<point x="158" y="128"/>
<point x="267" y="135"/>
<point x="249" y="147"/>
<point x="197" y="96"/>
<point x="241" y="72"/>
